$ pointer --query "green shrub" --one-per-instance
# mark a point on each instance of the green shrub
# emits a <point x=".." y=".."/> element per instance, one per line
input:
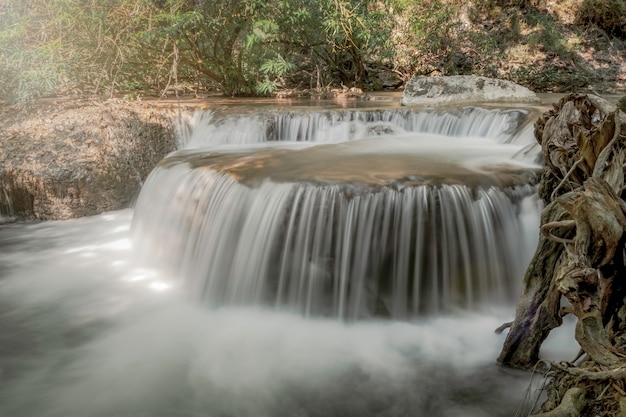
<point x="608" y="15"/>
<point x="552" y="79"/>
<point x="257" y="47"/>
<point x="84" y="46"/>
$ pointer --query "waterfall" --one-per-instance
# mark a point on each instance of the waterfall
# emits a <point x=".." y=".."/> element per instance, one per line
<point x="358" y="218"/>
<point x="327" y="230"/>
<point x="212" y="128"/>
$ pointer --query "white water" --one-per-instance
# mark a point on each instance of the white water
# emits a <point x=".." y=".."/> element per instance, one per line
<point x="87" y="331"/>
<point x="342" y="229"/>
<point x="209" y="128"/>
<point x="315" y="250"/>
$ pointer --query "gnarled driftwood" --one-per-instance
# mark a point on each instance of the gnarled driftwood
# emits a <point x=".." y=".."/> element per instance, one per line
<point x="580" y="257"/>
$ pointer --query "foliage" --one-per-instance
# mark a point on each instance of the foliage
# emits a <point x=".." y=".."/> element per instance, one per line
<point x="239" y="45"/>
<point x="356" y="31"/>
<point x="432" y="23"/>
<point x="274" y="69"/>
<point x="551" y="78"/>
<point x="71" y="45"/>
<point x="545" y="35"/>
<point x="609" y="15"/>
<point x="429" y="28"/>
<point x="257" y="47"/>
<point x="27" y="72"/>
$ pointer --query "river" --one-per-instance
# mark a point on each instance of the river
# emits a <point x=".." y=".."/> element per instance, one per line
<point x="98" y="319"/>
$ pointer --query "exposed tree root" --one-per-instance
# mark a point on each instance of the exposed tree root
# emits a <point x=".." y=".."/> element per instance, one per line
<point x="602" y="391"/>
<point x="504" y="326"/>
<point x="580" y="259"/>
<point x="615" y="374"/>
<point x="571" y="404"/>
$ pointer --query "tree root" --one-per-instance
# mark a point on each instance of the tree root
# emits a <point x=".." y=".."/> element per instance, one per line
<point x="503" y="327"/>
<point x="602" y="391"/>
<point x="580" y="258"/>
<point x="571" y="405"/>
<point x="615" y="374"/>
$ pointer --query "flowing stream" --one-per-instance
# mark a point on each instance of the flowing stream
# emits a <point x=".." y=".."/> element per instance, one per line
<point x="284" y="263"/>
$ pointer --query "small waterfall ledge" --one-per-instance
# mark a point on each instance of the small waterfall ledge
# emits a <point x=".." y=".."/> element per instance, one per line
<point x="350" y="214"/>
<point x="214" y="128"/>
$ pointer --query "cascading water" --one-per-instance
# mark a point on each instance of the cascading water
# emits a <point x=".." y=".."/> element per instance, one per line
<point x="389" y="222"/>
<point x="325" y="229"/>
<point x="210" y="128"/>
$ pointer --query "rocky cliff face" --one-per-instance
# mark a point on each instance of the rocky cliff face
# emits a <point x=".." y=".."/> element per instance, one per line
<point x="79" y="159"/>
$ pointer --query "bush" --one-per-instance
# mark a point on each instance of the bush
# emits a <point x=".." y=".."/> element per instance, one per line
<point x="549" y="78"/>
<point x="257" y="47"/>
<point x="608" y="15"/>
<point x="63" y="46"/>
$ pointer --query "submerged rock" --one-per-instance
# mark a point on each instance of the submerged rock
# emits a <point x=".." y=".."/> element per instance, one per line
<point x="463" y="89"/>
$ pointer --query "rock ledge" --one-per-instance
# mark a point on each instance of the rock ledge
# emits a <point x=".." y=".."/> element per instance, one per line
<point x="79" y="159"/>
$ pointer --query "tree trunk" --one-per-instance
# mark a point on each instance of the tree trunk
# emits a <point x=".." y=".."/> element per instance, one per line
<point x="538" y="307"/>
<point x="579" y="258"/>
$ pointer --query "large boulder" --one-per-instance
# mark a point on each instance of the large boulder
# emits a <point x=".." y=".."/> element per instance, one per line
<point x="71" y="159"/>
<point x="462" y="89"/>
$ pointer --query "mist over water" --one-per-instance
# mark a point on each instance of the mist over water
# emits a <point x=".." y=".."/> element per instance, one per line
<point x="86" y="333"/>
<point x="88" y="330"/>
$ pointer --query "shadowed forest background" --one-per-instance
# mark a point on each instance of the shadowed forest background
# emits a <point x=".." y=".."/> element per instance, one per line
<point x="260" y="47"/>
